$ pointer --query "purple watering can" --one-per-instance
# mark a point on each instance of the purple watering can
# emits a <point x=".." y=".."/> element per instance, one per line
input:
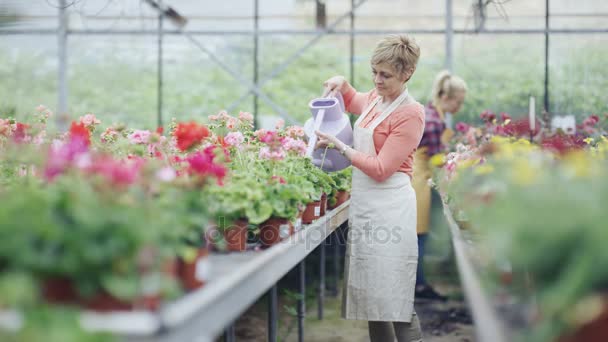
<point x="328" y="117"/>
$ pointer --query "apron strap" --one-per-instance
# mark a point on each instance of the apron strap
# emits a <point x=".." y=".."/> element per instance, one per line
<point x="405" y="95"/>
<point x="367" y="110"/>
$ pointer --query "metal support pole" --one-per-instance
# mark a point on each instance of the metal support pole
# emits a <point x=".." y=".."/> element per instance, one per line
<point x="62" y="79"/>
<point x="449" y="36"/>
<point x="546" y="98"/>
<point x="352" y="43"/>
<point x="302" y="300"/>
<point x="229" y="334"/>
<point x="293" y="57"/>
<point x="336" y="263"/>
<point x="256" y="70"/>
<point x="159" y="91"/>
<point x="272" y="313"/>
<point x="321" y="297"/>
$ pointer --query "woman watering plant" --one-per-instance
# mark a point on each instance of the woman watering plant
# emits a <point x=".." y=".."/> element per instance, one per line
<point x="447" y="96"/>
<point x="382" y="251"/>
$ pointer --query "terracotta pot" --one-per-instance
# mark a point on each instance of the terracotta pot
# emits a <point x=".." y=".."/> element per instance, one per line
<point x="341" y="197"/>
<point x="593" y="331"/>
<point x="323" y="204"/>
<point x="103" y="301"/>
<point x="59" y="290"/>
<point x="236" y="236"/>
<point x="273" y="230"/>
<point x="193" y="274"/>
<point x="312" y="212"/>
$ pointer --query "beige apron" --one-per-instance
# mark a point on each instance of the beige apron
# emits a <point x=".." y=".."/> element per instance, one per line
<point x="382" y="247"/>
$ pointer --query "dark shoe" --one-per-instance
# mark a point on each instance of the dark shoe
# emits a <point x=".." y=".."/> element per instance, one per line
<point x="427" y="292"/>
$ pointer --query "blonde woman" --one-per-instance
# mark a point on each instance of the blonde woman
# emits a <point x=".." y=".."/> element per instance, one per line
<point x="382" y="251"/>
<point x="447" y="96"/>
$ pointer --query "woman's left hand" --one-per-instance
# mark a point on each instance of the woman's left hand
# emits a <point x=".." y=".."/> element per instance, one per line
<point x="325" y="140"/>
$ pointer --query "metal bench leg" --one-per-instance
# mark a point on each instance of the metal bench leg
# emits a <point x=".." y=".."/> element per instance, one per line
<point x="321" y="296"/>
<point x="272" y="313"/>
<point x="302" y="300"/>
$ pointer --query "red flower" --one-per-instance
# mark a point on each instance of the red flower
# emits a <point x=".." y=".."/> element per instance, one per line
<point x="591" y="120"/>
<point x="562" y="143"/>
<point x="20" y="134"/>
<point x="504" y="116"/>
<point x="160" y="130"/>
<point x="78" y="131"/>
<point x="219" y="140"/>
<point x="462" y="127"/>
<point x="487" y="115"/>
<point x="189" y="134"/>
<point x="521" y="127"/>
<point x="279" y="179"/>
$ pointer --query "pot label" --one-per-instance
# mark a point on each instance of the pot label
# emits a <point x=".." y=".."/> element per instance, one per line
<point x="203" y="267"/>
<point x="318" y="211"/>
<point x="298" y="224"/>
<point x="284" y="231"/>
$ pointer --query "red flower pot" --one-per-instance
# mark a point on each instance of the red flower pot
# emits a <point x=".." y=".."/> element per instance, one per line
<point x="312" y="212"/>
<point x="193" y="274"/>
<point x="273" y="230"/>
<point x="59" y="290"/>
<point x="103" y="301"/>
<point x="593" y="331"/>
<point x="341" y="197"/>
<point x="236" y="236"/>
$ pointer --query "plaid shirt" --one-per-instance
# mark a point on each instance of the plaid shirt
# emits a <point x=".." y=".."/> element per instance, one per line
<point x="433" y="129"/>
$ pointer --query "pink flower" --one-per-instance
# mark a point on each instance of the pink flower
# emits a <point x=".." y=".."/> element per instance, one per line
<point x="294" y="145"/>
<point x="462" y="127"/>
<point x="213" y="117"/>
<point x="89" y="120"/>
<point x="260" y="133"/>
<point x="231" y="123"/>
<point x="504" y="116"/>
<point x="223" y="115"/>
<point x="20" y="133"/>
<point x="139" y="137"/>
<point x="246" y="116"/>
<point x="202" y="163"/>
<point x="166" y="174"/>
<point x="40" y="108"/>
<point x="234" y="139"/>
<point x="280" y="124"/>
<point x="62" y="155"/>
<point x="120" y="173"/>
<point x="267" y="153"/>
<point x="280" y="179"/>
<point x="109" y="135"/>
<point x="39" y="138"/>
<point x="295" y="131"/>
<point x="269" y="137"/>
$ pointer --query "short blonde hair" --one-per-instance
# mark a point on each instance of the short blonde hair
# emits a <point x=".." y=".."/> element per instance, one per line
<point x="447" y="84"/>
<point x="400" y="51"/>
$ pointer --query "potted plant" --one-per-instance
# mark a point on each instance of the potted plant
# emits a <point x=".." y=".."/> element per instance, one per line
<point x="341" y="192"/>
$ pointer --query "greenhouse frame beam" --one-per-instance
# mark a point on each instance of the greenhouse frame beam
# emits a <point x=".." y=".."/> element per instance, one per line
<point x="301" y="32"/>
<point x="296" y="55"/>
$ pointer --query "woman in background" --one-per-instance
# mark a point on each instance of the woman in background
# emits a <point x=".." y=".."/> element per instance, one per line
<point x="447" y="96"/>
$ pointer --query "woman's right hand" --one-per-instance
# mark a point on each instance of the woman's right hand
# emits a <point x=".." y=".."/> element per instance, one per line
<point x="333" y="84"/>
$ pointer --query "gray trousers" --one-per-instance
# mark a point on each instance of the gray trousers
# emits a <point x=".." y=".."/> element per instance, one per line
<point x="388" y="331"/>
